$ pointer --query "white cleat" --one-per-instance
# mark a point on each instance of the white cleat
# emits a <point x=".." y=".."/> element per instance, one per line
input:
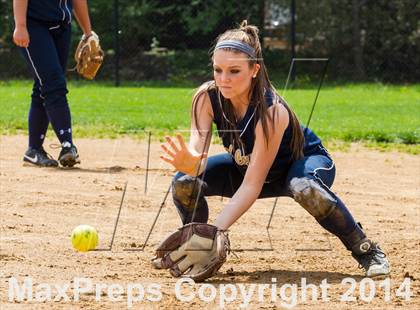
<point x="374" y="262"/>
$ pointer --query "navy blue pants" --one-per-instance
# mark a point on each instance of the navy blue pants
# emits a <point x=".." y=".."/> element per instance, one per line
<point x="222" y="178"/>
<point x="46" y="57"/>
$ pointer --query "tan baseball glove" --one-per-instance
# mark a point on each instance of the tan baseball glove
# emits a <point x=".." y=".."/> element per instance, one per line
<point x="195" y="250"/>
<point x="89" y="56"/>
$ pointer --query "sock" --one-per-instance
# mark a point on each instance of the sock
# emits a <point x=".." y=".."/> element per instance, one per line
<point x="37" y="124"/>
<point x="60" y="118"/>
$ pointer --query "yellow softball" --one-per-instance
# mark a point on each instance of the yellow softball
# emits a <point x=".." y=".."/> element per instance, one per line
<point x="84" y="238"/>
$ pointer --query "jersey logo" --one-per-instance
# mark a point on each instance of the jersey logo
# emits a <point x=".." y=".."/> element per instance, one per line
<point x="239" y="156"/>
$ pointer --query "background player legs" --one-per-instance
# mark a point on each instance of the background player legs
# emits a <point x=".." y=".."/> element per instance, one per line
<point x="47" y="59"/>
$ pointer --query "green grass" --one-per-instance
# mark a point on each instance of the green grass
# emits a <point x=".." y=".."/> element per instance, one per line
<point x="374" y="113"/>
<point x="366" y="112"/>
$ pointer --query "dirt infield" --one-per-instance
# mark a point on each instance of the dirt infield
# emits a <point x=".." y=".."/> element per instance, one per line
<point x="40" y="207"/>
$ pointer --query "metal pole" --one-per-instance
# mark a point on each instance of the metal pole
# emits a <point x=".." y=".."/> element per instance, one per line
<point x="262" y="21"/>
<point x="116" y="43"/>
<point x="147" y="163"/>
<point x="293" y="36"/>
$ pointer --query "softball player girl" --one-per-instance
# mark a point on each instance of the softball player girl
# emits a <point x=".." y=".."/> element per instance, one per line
<point x="42" y="31"/>
<point x="268" y="154"/>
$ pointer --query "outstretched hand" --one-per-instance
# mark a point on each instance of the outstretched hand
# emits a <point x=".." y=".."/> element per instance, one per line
<point x="181" y="157"/>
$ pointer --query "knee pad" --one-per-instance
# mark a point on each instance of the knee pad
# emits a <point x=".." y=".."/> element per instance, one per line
<point x="188" y="190"/>
<point x="315" y="199"/>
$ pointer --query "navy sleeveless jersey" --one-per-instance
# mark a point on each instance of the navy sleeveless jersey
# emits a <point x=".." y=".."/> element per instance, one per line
<point x="246" y="129"/>
<point x="55" y="11"/>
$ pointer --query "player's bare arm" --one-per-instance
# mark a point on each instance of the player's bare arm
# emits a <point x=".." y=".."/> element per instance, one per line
<point x="20" y="34"/>
<point x="81" y="12"/>
<point x="261" y="160"/>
